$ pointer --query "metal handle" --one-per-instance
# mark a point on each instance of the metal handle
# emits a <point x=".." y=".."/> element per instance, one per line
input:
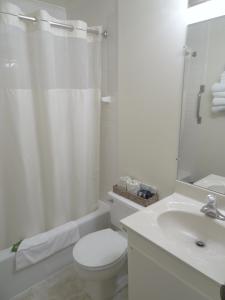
<point x="201" y="91"/>
<point x="56" y="24"/>
<point x="26" y="18"/>
<point x="211" y="200"/>
<point x="61" y="25"/>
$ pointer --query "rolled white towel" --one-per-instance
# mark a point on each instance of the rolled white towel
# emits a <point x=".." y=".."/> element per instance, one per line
<point x="219" y="94"/>
<point x="218" y="102"/>
<point x="216" y="109"/>
<point x="37" y="248"/>
<point x="218" y="87"/>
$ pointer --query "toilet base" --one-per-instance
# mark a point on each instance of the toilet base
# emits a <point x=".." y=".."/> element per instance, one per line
<point x="102" y="289"/>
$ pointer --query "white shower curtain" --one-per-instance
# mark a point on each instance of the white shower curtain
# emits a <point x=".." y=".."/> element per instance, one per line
<point x="49" y="124"/>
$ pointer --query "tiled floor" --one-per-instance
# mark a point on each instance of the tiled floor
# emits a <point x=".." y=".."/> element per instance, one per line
<point x="64" y="285"/>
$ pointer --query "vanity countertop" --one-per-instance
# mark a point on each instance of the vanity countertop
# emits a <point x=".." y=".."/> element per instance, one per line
<point x="176" y="225"/>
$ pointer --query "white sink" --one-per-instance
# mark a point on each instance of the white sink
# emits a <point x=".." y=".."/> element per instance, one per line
<point x="177" y="225"/>
<point x="191" y="227"/>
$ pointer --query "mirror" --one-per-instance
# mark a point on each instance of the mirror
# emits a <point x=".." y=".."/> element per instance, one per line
<point x="201" y="159"/>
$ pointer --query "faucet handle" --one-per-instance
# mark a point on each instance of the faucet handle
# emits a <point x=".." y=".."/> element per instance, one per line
<point x="211" y="200"/>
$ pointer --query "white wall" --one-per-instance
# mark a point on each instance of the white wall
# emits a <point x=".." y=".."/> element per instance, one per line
<point x="151" y="37"/>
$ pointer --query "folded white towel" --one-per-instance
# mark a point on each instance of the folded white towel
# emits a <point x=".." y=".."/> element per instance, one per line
<point x="216" y="109"/>
<point x="37" y="248"/>
<point x="218" y="102"/>
<point x="218" y="87"/>
<point x="219" y="94"/>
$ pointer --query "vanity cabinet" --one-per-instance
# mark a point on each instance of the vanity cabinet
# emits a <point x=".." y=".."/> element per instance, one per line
<point x="175" y="252"/>
<point x="154" y="274"/>
<point x="149" y="281"/>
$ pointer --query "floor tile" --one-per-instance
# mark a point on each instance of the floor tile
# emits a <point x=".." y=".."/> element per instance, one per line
<point x="64" y="285"/>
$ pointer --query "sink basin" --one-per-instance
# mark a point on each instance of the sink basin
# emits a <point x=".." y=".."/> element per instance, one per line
<point x="193" y="231"/>
<point x="177" y="225"/>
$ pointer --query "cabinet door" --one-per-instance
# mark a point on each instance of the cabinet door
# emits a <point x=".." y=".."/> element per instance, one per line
<point x="148" y="281"/>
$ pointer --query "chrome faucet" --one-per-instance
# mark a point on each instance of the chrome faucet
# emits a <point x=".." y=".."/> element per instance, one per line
<point x="210" y="209"/>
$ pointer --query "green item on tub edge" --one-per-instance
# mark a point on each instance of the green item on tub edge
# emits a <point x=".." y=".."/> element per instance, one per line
<point x="16" y="246"/>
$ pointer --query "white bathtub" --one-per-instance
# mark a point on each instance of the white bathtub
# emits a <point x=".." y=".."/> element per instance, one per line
<point x="12" y="283"/>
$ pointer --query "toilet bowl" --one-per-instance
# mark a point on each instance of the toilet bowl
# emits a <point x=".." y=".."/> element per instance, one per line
<point x="101" y="257"/>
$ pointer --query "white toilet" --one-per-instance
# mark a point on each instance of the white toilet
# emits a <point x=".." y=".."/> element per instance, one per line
<point x="101" y="257"/>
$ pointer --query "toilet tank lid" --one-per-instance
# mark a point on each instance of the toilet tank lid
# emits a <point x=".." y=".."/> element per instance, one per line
<point x="100" y="248"/>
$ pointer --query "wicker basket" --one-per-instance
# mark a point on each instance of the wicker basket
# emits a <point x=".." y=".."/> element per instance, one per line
<point x="135" y="198"/>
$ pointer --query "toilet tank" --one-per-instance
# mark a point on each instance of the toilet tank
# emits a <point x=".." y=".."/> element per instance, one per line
<point x="121" y="208"/>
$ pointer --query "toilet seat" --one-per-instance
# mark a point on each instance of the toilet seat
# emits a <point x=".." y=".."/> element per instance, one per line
<point x="100" y="250"/>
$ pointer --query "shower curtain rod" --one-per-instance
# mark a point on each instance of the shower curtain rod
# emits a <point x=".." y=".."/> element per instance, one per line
<point x="56" y="24"/>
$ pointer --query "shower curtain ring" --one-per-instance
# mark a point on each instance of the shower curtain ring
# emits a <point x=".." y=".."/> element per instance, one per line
<point x="105" y="34"/>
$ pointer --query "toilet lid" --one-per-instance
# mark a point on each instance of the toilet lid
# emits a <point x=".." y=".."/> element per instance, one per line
<point x="100" y="248"/>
